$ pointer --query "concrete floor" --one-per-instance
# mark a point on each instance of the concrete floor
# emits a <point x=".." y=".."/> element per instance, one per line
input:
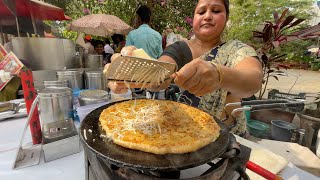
<point x="296" y="81"/>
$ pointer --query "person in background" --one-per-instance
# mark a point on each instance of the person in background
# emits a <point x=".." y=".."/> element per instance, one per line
<point x="99" y="49"/>
<point x="212" y="72"/>
<point x="88" y="49"/>
<point x="108" y="50"/>
<point x="118" y="42"/>
<point x="145" y="37"/>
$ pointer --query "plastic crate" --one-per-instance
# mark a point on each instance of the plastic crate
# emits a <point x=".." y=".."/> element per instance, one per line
<point x="276" y="94"/>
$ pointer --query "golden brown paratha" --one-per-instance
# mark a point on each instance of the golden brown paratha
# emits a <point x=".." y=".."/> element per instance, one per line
<point x="158" y="126"/>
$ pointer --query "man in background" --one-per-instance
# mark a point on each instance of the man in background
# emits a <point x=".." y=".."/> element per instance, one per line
<point x="144" y="36"/>
<point x="88" y="48"/>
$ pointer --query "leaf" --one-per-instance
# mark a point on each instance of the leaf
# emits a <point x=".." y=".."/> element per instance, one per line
<point x="277" y="56"/>
<point x="267" y="33"/>
<point x="275" y="16"/>
<point x="270" y="71"/>
<point x="296" y="22"/>
<point x="257" y="34"/>
<point x="276" y="44"/>
<point x="274" y="76"/>
<point x="282" y="16"/>
<point x="287" y="21"/>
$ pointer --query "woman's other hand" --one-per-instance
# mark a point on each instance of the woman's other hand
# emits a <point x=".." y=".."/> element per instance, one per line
<point x="199" y="77"/>
<point x="127" y="51"/>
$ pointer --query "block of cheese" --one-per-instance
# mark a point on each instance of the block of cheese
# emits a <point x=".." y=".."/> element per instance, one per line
<point x="140" y="53"/>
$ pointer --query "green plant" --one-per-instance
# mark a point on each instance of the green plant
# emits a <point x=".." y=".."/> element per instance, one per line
<point x="273" y="36"/>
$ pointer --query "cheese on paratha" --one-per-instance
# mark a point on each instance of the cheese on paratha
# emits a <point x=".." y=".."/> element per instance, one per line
<point x="158" y="126"/>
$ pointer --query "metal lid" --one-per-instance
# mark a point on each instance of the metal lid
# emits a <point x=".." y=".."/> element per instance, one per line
<point x="94" y="73"/>
<point x="93" y="94"/>
<point x="69" y="73"/>
<point x="55" y="92"/>
<point x="57" y="82"/>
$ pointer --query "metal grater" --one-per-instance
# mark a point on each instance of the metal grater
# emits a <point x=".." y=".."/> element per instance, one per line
<point x="125" y="68"/>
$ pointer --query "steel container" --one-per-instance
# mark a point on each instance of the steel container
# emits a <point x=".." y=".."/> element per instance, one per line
<point x="55" y="104"/>
<point x="45" y="53"/>
<point x="93" y="61"/>
<point x="93" y="97"/>
<point x="57" y="83"/>
<point x="95" y="80"/>
<point x="74" y="78"/>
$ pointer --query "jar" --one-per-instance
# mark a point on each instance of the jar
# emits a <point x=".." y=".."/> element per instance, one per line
<point x="55" y="104"/>
<point x="74" y="78"/>
<point x="95" y="80"/>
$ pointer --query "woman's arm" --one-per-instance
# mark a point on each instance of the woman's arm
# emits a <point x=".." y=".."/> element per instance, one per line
<point x="201" y="77"/>
<point x="245" y="79"/>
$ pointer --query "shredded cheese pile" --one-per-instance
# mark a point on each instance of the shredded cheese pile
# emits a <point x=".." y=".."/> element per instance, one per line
<point x="145" y="119"/>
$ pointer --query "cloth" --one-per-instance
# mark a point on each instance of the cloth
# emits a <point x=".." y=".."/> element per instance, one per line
<point x="9" y="92"/>
<point x="146" y="38"/>
<point x="229" y="54"/>
<point x="108" y="49"/>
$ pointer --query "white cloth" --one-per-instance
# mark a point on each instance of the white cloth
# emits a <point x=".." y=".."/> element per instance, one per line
<point x="89" y="49"/>
<point x="108" y="49"/>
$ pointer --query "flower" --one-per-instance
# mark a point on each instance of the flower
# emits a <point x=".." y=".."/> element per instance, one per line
<point x="86" y="11"/>
<point x="189" y="20"/>
<point x="100" y="1"/>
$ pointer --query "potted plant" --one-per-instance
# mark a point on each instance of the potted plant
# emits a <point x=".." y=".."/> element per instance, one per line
<point x="315" y="65"/>
<point x="272" y="37"/>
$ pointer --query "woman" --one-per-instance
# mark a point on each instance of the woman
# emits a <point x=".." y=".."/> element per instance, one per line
<point x="211" y="71"/>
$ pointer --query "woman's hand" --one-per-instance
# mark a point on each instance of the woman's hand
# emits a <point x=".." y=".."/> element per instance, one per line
<point x="199" y="77"/>
<point x="127" y="51"/>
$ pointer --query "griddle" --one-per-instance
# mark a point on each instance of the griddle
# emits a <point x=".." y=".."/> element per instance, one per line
<point x="90" y="136"/>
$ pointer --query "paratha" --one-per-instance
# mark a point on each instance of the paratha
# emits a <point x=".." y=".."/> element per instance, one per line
<point x="158" y="126"/>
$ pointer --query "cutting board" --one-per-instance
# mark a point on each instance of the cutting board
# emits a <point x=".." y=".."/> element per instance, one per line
<point x="264" y="158"/>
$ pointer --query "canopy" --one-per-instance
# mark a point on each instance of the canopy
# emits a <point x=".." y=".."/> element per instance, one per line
<point x="31" y="8"/>
<point x="100" y="25"/>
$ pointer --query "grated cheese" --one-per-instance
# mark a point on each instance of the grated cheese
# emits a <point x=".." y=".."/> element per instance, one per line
<point x="145" y="120"/>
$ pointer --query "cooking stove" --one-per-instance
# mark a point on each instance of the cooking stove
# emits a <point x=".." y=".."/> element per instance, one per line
<point x="230" y="165"/>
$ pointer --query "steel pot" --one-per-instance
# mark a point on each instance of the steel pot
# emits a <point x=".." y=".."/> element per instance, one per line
<point x="55" y="104"/>
<point x="93" y="61"/>
<point x="74" y="78"/>
<point x="282" y="130"/>
<point x="95" y="80"/>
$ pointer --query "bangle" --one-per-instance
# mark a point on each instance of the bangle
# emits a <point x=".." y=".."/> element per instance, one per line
<point x="219" y="72"/>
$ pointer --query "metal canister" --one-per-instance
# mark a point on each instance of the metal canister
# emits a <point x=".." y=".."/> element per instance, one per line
<point x="95" y="80"/>
<point x="55" y="104"/>
<point x="93" y="61"/>
<point x="57" y="83"/>
<point x="74" y="78"/>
